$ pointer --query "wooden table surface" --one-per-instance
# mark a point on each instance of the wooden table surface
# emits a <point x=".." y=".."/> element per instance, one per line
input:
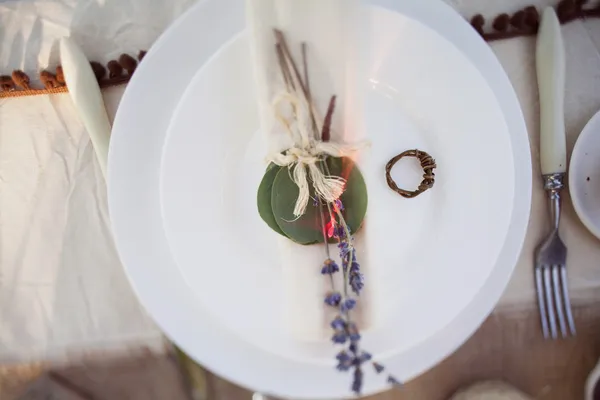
<point x="508" y="347"/>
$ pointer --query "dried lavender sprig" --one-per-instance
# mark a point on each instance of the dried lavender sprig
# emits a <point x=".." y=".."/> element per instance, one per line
<point x="345" y="331"/>
<point x="343" y="327"/>
<point x="350" y="329"/>
<point x="351" y="266"/>
<point x="358" y="360"/>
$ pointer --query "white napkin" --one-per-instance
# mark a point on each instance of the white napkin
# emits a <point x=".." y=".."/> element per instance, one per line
<point x="328" y="27"/>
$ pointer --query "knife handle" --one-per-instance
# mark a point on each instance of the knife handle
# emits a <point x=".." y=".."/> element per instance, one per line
<point x="550" y="62"/>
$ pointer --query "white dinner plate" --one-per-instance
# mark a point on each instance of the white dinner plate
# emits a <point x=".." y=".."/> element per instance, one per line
<point x="584" y="175"/>
<point x="419" y="251"/>
<point x="471" y="225"/>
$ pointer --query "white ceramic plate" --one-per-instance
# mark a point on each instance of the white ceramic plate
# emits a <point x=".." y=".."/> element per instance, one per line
<point x="584" y="175"/>
<point x="419" y="251"/>
<point x="174" y="285"/>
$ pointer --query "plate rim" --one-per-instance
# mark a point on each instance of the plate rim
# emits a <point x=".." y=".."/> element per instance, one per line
<point x="127" y="212"/>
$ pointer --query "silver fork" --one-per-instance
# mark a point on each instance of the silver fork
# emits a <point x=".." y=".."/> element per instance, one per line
<point x="551" y="256"/>
<point x="551" y="271"/>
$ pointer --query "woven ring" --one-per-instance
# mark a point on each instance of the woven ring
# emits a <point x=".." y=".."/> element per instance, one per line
<point x="428" y="165"/>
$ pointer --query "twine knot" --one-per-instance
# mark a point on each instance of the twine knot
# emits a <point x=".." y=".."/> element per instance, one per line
<point x="307" y="155"/>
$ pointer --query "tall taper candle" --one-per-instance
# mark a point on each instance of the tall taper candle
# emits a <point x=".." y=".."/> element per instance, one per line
<point x="85" y="92"/>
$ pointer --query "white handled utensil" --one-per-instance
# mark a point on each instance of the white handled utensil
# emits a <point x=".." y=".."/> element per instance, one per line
<point x="551" y="256"/>
<point x="550" y="59"/>
<point x="85" y="92"/>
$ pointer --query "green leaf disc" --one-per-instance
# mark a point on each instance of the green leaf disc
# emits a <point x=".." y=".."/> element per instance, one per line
<point x="307" y="228"/>
<point x="354" y="198"/>
<point x="263" y="197"/>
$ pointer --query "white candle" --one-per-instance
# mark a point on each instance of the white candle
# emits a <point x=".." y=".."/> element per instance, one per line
<point x="85" y="92"/>
<point x="550" y="59"/>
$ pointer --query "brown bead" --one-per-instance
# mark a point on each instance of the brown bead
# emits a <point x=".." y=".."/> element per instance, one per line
<point x="98" y="69"/>
<point x="141" y="54"/>
<point x="128" y="63"/>
<point x="6" y="83"/>
<point x="21" y="79"/>
<point x="60" y="76"/>
<point x="532" y="17"/>
<point x="114" y="69"/>
<point x="477" y="23"/>
<point x="501" y="22"/>
<point x="48" y="80"/>
<point x="518" y="20"/>
<point x="566" y="10"/>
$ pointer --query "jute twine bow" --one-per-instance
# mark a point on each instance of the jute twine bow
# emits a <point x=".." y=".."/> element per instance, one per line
<point x="307" y="152"/>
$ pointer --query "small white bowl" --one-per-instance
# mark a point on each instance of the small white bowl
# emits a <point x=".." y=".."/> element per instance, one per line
<point x="584" y="175"/>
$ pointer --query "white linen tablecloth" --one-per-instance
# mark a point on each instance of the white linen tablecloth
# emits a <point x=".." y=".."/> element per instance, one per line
<point x="62" y="288"/>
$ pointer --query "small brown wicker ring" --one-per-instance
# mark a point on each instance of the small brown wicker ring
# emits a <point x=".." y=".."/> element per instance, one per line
<point x="428" y="165"/>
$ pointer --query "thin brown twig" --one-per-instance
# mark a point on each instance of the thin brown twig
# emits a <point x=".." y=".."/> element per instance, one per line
<point x="285" y="72"/>
<point x="67" y="384"/>
<point x="286" y="52"/>
<point x="308" y="93"/>
<point x="305" y="65"/>
<point x="326" y="133"/>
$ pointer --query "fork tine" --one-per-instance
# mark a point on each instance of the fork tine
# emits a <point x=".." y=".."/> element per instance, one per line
<point x="567" y="301"/>
<point x="557" y="297"/>
<point x="541" y="302"/>
<point x="549" y="301"/>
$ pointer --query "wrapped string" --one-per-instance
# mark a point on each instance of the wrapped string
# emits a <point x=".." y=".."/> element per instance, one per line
<point x="303" y="156"/>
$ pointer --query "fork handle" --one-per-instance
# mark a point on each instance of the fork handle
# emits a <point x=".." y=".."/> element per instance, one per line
<point x="553" y="184"/>
<point x="555" y="208"/>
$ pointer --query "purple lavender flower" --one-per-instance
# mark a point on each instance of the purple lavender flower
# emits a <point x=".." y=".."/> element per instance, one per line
<point x="315" y="202"/>
<point x="339" y="337"/>
<point x="344" y="249"/>
<point x="338" y="204"/>
<point x="339" y="232"/>
<point x="333" y="299"/>
<point x="393" y="381"/>
<point x="378" y="367"/>
<point x="344" y="361"/>
<point x="357" y="381"/>
<point x="353" y="333"/>
<point x="338" y="323"/>
<point x="356" y="282"/>
<point x="364" y="357"/>
<point x="347" y="304"/>
<point x="355" y="266"/>
<point x="329" y="267"/>
<point x="343" y="355"/>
